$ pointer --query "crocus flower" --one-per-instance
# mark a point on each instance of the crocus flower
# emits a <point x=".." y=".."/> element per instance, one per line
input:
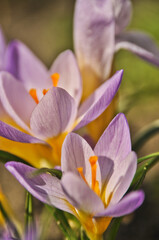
<point x="18" y="60"/>
<point x="48" y="110"/>
<point x="19" y="104"/>
<point x="99" y="32"/>
<point x="94" y="182"/>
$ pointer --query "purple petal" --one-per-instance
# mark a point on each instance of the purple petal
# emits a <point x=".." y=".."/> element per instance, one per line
<point x="140" y="44"/>
<point x="115" y="142"/>
<point x="57" y="167"/>
<point x="54" y="114"/>
<point x="2" y="64"/>
<point x="13" y="134"/>
<point x="121" y="178"/>
<point x="25" y="66"/>
<point x="2" y="111"/>
<point x="31" y="233"/>
<point x="16" y="100"/>
<point x="122" y="12"/>
<point x="70" y="79"/>
<point x="2" y="50"/>
<point x="126" y="206"/>
<point x="106" y="166"/>
<point x="6" y="236"/>
<point x="94" y="33"/>
<point x="99" y="100"/>
<point x="76" y="153"/>
<point x="44" y="187"/>
<point x="80" y="195"/>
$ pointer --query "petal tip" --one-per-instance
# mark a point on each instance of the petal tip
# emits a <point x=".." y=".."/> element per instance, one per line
<point x="141" y="196"/>
<point x="121" y="117"/>
<point x="10" y="166"/>
<point x="120" y="73"/>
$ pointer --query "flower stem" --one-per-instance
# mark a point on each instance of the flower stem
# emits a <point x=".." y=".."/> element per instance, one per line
<point x="62" y="222"/>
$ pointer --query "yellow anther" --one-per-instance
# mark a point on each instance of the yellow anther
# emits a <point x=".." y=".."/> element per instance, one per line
<point x="33" y="94"/>
<point x="55" y="78"/>
<point x="93" y="161"/>
<point x="80" y="170"/>
<point x="95" y="184"/>
<point x="45" y="91"/>
<point x="96" y="188"/>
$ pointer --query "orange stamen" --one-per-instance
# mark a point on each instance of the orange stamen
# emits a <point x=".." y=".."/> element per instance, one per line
<point x="93" y="161"/>
<point x="95" y="183"/>
<point x="33" y="94"/>
<point x="45" y="91"/>
<point x="55" y="78"/>
<point x="80" y="170"/>
<point x="96" y="188"/>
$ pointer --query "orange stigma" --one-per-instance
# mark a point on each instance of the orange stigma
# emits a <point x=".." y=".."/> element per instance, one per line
<point x="95" y="183"/>
<point x="45" y="91"/>
<point x="55" y="78"/>
<point x="80" y="170"/>
<point x="33" y="94"/>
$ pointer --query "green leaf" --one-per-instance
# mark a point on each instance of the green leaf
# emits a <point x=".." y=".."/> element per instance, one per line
<point x="62" y="222"/>
<point x="139" y="178"/>
<point x="8" y="157"/>
<point x="53" y="172"/>
<point x="83" y="234"/>
<point x="114" y="227"/>
<point x="142" y="159"/>
<point x="142" y="171"/>
<point x="73" y="219"/>
<point x="28" y="211"/>
<point x="145" y="134"/>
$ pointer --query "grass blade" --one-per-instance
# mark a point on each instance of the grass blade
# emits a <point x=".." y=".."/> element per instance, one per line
<point x="62" y="222"/>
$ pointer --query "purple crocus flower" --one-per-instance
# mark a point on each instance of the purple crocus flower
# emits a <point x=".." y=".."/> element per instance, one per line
<point x="17" y="59"/>
<point x="46" y="113"/>
<point x="99" y="32"/>
<point x="94" y="182"/>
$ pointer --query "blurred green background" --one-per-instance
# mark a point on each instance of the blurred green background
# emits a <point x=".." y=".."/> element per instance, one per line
<point x="46" y="26"/>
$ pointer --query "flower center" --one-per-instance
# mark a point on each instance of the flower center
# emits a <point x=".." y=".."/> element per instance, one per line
<point x="95" y="184"/>
<point x="33" y="92"/>
<point x="93" y="226"/>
